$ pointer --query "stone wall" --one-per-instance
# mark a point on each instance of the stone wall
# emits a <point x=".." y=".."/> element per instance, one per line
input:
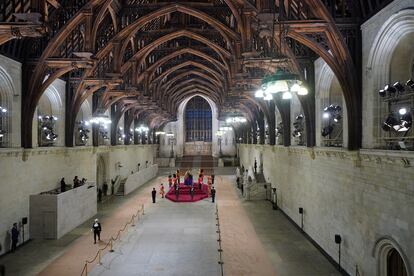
<point x="31" y="171"/>
<point x="363" y="196"/>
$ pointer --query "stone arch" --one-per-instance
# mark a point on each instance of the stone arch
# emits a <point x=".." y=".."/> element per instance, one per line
<point x="178" y="126"/>
<point x="381" y="250"/>
<point x="295" y="110"/>
<point x="378" y="69"/>
<point x="52" y="103"/>
<point x="7" y="90"/>
<point x="326" y="86"/>
<point x="101" y="171"/>
<point x="84" y="115"/>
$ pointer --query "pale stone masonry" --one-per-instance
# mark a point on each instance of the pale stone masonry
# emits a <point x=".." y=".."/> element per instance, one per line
<point x="362" y="195"/>
<point x="25" y="172"/>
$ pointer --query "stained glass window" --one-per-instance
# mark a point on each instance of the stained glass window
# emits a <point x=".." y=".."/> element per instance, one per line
<point x="198" y="122"/>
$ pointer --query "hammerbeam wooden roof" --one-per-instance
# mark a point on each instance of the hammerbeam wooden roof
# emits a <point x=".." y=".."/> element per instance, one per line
<point x="149" y="55"/>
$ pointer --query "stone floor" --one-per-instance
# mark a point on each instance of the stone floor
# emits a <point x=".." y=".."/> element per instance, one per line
<point x="180" y="239"/>
<point x="173" y="239"/>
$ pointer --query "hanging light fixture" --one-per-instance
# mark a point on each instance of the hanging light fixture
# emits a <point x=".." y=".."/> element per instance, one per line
<point x="259" y="93"/>
<point x="281" y="81"/>
<point x="100" y="119"/>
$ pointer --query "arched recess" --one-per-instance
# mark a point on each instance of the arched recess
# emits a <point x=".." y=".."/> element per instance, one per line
<point x="381" y="252"/>
<point x="328" y="91"/>
<point x="101" y="171"/>
<point x="177" y="127"/>
<point x="380" y="72"/>
<point x="51" y="103"/>
<point x="7" y="91"/>
<point x="297" y="110"/>
<point x="82" y="120"/>
<point x="279" y="126"/>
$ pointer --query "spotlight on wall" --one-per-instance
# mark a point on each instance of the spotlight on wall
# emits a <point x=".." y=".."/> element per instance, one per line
<point x="2" y="110"/>
<point x="46" y="129"/>
<point x="327" y="130"/>
<point x="410" y="83"/>
<point x="332" y="114"/>
<point x="399" y="87"/>
<point x="391" y="90"/>
<point x="298" y="127"/>
<point x="83" y="132"/>
<point x="400" y="121"/>
<point x="103" y="132"/>
<point x="382" y="93"/>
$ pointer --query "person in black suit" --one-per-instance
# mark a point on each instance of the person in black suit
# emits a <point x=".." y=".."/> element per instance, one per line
<point x="62" y="185"/>
<point x="15" y="237"/>
<point x="153" y="194"/>
<point x="96" y="228"/>
<point x="177" y="191"/>
<point x="213" y="194"/>
<point x="192" y="192"/>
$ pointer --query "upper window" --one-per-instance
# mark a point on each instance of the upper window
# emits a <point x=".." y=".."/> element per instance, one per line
<point x="198" y="120"/>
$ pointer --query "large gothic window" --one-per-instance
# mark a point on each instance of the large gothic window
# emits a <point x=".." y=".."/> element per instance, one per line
<point x="198" y="122"/>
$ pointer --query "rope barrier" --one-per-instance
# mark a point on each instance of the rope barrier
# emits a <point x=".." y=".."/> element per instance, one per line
<point x="220" y="249"/>
<point x="111" y="240"/>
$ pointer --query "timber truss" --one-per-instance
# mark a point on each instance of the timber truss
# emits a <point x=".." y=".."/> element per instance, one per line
<point x="141" y="58"/>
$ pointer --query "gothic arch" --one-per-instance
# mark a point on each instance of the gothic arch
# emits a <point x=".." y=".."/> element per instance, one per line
<point x="378" y="69"/>
<point x="7" y="90"/>
<point x="326" y="82"/>
<point x="380" y="252"/>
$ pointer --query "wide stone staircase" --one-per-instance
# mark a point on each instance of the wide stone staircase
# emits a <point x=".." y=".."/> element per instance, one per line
<point x="121" y="187"/>
<point x="258" y="188"/>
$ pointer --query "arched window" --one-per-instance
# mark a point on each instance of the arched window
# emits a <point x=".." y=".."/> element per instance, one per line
<point x="395" y="264"/>
<point x="198" y="120"/>
<point x="6" y="94"/>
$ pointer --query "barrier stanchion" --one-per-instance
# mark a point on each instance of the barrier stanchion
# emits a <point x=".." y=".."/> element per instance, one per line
<point x="220" y="249"/>
<point x="110" y="243"/>
<point x="111" y="249"/>
<point x="99" y="257"/>
<point x="85" y="268"/>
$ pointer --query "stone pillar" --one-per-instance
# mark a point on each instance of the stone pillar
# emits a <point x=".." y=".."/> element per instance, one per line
<point x="272" y="123"/>
<point x="261" y="125"/>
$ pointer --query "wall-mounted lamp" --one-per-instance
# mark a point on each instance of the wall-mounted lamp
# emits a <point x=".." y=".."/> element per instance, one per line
<point x="301" y="214"/>
<point x="338" y="241"/>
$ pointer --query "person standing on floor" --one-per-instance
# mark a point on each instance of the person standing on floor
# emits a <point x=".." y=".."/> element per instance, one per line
<point x="76" y="182"/>
<point x="62" y="185"/>
<point x="162" y="191"/>
<point x="177" y="191"/>
<point x="200" y="181"/>
<point x="96" y="228"/>
<point x="153" y="194"/>
<point x="212" y="178"/>
<point x="178" y="176"/>
<point x="192" y="192"/>
<point x="213" y="194"/>
<point x="15" y="237"/>
<point x="170" y="181"/>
